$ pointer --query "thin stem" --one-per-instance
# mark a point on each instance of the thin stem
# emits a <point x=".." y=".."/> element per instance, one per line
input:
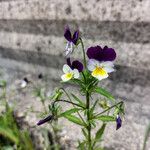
<point x="88" y="121"/>
<point x="109" y="109"/>
<point x="73" y="105"/>
<point x="66" y="102"/>
<point x="84" y="77"/>
<point x="4" y="97"/>
<point x="85" y="65"/>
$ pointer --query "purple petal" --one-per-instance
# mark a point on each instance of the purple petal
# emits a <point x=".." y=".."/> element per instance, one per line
<point x="67" y="34"/>
<point x="119" y="122"/>
<point x="50" y="117"/>
<point x="109" y="54"/>
<point x="69" y="62"/>
<point x="94" y="52"/>
<point x="105" y="54"/>
<point x="77" y="65"/>
<point x="75" y="37"/>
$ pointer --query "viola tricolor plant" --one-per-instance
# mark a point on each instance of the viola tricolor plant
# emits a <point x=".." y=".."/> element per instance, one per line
<point x="97" y="65"/>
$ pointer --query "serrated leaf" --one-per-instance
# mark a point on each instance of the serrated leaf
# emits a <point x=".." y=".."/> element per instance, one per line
<point x="68" y="112"/>
<point x="106" y="118"/>
<point x="104" y="93"/>
<point x="74" y="119"/>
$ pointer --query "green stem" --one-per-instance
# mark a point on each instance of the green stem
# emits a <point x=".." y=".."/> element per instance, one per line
<point x="88" y="121"/>
<point x="73" y="104"/>
<point x="108" y="109"/>
<point x="4" y="98"/>
<point x="84" y="56"/>
<point x="66" y="102"/>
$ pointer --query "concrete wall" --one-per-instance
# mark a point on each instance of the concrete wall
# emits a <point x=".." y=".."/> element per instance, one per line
<point x="31" y="34"/>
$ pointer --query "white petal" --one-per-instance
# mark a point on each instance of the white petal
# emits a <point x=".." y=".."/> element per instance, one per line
<point x="69" y="48"/>
<point x="65" y="78"/>
<point x="76" y="73"/>
<point x="92" y="63"/>
<point x="102" y="77"/>
<point x="66" y="68"/>
<point x="107" y="64"/>
<point x="67" y="52"/>
<point x="109" y="69"/>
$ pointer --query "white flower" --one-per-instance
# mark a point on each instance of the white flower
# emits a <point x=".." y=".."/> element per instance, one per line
<point x="23" y="84"/>
<point x="69" y="73"/>
<point x="100" y="70"/>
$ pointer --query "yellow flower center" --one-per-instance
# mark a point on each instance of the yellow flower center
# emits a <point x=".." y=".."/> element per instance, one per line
<point x="69" y="75"/>
<point x="99" y="71"/>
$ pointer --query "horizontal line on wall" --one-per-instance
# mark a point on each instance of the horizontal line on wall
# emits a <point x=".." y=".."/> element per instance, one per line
<point x="128" y="54"/>
<point x="125" y="74"/>
<point x="130" y="32"/>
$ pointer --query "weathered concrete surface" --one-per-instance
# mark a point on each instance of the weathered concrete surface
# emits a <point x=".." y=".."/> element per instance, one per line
<point x="31" y="41"/>
<point x="134" y="10"/>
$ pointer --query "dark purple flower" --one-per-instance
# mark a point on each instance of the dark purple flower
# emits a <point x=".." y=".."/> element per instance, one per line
<point x="118" y="122"/>
<point x="49" y="118"/>
<point x="69" y="36"/>
<point x="72" y="40"/>
<point x="101" y="54"/>
<point x="75" y="65"/>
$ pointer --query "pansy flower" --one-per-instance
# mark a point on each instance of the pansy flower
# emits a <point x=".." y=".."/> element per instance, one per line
<point x="100" y="61"/>
<point x="118" y="122"/>
<point x="75" y="65"/>
<point x="69" y="73"/>
<point x="71" y="39"/>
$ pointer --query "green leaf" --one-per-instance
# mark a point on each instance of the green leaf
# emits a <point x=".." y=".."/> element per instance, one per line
<point x="4" y="131"/>
<point x="100" y="133"/>
<point x="92" y="109"/>
<point x="74" y="119"/>
<point x="76" y="81"/>
<point x="106" y="118"/>
<point x="147" y="135"/>
<point x="57" y="95"/>
<point x="85" y="133"/>
<point x="81" y="145"/>
<point x="104" y="93"/>
<point x="68" y="112"/>
<point x="119" y="109"/>
<point x="7" y="148"/>
<point x="26" y="141"/>
<point x="3" y="83"/>
<point x="78" y="100"/>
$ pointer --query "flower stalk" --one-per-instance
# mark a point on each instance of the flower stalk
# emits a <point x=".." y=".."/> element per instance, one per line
<point x="66" y="102"/>
<point x="83" y="50"/>
<point x="119" y="103"/>
<point x="88" y="121"/>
